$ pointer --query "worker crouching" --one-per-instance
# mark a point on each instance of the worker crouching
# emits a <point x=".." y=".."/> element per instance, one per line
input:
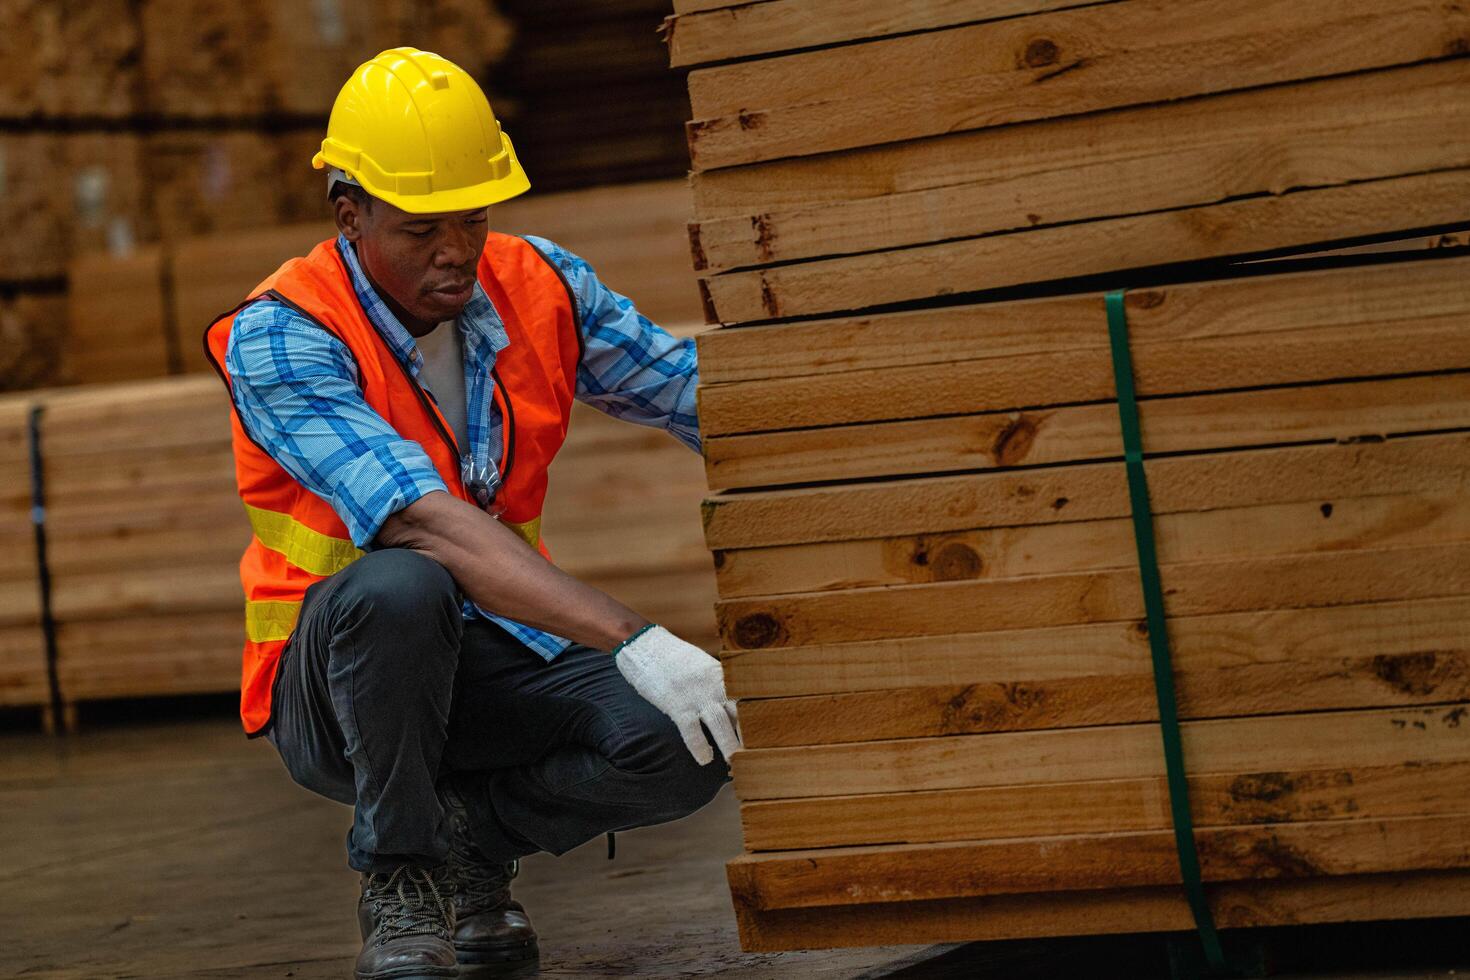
<point x="398" y="395"/>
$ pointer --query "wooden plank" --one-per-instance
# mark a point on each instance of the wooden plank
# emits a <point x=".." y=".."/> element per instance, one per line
<point x="1290" y="220"/>
<point x="1160" y="318"/>
<point x="1016" y="658"/>
<point x="1198" y="152"/>
<point x="1392" y="520"/>
<point x="1370" y="680"/>
<point x="179" y="588"/>
<point x="116" y="325"/>
<point x="1105" y="806"/>
<point x="1275" y="742"/>
<point x="923" y="872"/>
<point x="807" y="185"/>
<point x="1195" y="588"/>
<point x="1401" y="346"/>
<point x="722" y="31"/>
<point x="187" y="653"/>
<point x="1061" y="63"/>
<point x="933" y="505"/>
<point x="23" y="681"/>
<point x="696" y="6"/>
<point x="1074" y="433"/>
<point x="1235" y="905"/>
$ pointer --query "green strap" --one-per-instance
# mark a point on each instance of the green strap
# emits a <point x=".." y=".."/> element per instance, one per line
<point x="1158" y="635"/>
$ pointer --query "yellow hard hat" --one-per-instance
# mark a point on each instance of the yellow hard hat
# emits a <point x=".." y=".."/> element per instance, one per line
<point x="415" y="130"/>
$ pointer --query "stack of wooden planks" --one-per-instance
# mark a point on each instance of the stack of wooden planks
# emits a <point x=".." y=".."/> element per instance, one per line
<point x="587" y="93"/>
<point x="144" y="533"/>
<point x="929" y="589"/>
<point x="22" y="653"/>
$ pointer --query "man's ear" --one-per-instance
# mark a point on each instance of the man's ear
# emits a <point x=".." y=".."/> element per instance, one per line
<point x="349" y="217"/>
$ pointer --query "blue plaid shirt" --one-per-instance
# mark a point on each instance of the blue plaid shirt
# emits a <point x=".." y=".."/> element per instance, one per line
<point x="296" y="390"/>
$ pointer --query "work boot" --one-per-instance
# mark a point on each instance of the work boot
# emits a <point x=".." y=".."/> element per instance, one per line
<point x="407" y="923"/>
<point x="492" y="934"/>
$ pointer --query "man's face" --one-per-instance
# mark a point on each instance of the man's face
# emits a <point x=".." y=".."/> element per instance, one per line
<point x="422" y="264"/>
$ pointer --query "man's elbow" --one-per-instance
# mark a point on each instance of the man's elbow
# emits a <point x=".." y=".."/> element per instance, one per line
<point x="415" y="527"/>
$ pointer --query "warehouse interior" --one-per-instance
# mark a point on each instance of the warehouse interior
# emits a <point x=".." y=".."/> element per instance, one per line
<point x="1079" y="518"/>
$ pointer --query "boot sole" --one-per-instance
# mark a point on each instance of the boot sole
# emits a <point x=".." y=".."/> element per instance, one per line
<point x="503" y="963"/>
<point x="506" y="970"/>
<point x="411" y="973"/>
<point x="493" y="955"/>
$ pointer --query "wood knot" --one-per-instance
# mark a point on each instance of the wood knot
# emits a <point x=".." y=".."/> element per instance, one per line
<point x="1014" y="441"/>
<point x="956" y="561"/>
<point x="1147" y="299"/>
<point x="1411" y="673"/>
<point x="1040" y="53"/>
<point x="1261" y="787"/>
<point x="756" y="630"/>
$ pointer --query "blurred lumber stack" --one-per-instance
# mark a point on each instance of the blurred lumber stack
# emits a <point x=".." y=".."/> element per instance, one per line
<point x="23" y="680"/>
<point x="586" y="93"/>
<point x="126" y="123"/>
<point x="929" y="590"/>
<point x="144" y="533"/>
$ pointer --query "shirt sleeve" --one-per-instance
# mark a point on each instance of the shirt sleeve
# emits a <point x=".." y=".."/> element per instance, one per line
<point x="295" y="388"/>
<point x="631" y="368"/>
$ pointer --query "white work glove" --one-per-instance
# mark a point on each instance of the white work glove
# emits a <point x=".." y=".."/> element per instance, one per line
<point x="685" y="683"/>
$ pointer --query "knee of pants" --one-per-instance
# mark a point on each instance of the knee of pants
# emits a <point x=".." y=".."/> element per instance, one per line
<point x="658" y="752"/>
<point x="402" y="592"/>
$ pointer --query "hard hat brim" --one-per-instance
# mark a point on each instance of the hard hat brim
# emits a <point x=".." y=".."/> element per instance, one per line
<point x="470" y="198"/>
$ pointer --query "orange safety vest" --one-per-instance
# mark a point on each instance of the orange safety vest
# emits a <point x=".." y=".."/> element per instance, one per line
<point x="298" y="538"/>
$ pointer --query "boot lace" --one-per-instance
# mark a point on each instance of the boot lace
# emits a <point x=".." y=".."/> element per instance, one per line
<point x="480" y="885"/>
<point x="409" y="903"/>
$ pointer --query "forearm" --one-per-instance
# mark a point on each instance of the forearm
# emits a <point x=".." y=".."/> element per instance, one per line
<point x="500" y="573"/>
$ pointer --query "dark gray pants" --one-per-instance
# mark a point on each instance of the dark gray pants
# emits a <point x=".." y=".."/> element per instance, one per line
<point x="384" y="689"/>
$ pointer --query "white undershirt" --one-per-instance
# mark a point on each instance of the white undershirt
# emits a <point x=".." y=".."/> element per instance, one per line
<point x="443" y="374"/>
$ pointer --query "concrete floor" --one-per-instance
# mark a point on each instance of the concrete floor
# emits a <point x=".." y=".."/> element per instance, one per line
<point x="182" y="850"/>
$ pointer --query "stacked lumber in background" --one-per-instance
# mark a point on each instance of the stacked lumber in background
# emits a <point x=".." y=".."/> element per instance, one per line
<point x="144" y="314"/>
<point x="127" y="126"/>
<point x="587" y="95"/>
<point x="22" y="653"/>
<point x="929" y="592"/>
<point x="145" y="530"/>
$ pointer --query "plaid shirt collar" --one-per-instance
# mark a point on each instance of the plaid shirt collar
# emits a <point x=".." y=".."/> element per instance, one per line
<point x="480" y="322"/>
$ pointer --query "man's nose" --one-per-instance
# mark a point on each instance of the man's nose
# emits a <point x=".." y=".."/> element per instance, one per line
<point x="457" y="248"/>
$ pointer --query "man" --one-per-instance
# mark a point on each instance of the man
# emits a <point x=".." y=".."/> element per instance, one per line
<point x="397" y="397"/>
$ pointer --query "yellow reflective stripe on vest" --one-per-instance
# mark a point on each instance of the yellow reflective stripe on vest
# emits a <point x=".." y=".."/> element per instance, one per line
<point x="270" y="620"/>
<point x="531" y="530"/>
<point x="311" y="551"/>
